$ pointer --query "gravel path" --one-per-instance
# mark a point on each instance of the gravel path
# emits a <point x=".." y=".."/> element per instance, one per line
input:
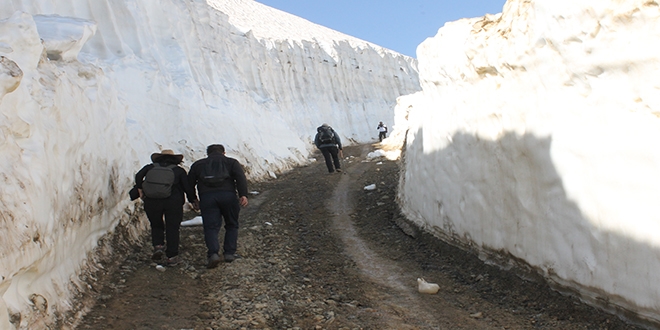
<point x="320" y="252"/>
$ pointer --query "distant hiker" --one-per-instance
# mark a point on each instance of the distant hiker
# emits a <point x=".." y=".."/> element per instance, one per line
<point x="161" y="186"/>
<point x="328" y="141"/>
<point x="218" y="178"/>
<point x="382" y="131"/>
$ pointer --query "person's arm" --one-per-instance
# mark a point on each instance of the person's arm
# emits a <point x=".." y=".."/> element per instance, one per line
<point x="187" y="188"/>
<point x="139" y="178"/>
<point x="192" y="182"/>
<point x="338" y="140"/>
<point x="241" y="182"/>
<point x="317" y="140"/>
<point x="192" y="176"/>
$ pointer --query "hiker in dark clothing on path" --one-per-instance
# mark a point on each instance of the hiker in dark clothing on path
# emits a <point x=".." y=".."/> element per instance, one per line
<point x="328" y="141"/>
<point x="218" y="178"/>
<point x="162" y="192"/>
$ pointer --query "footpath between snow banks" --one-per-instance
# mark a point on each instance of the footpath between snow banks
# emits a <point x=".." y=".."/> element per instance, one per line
<point x="321" y="252"/>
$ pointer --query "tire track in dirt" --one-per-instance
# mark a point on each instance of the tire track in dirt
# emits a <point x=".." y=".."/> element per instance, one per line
<point x="399" y="299"/>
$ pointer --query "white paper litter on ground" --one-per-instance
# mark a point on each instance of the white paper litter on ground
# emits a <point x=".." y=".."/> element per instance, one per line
<point x="196" y="221"/>
<point x="376" y="154"/>
<point x="370" y="187"/>
<point x="426" y="287"/>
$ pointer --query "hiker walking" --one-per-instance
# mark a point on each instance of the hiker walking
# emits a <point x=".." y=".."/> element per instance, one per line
<point x="161" y="186"/>
<point x="328" y="141"/>
<point x="218" y="178"/>
<point x="382" y="131"/>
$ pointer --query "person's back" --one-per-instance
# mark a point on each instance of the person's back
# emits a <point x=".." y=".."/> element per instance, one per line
<point x="326" y="137"/>
<point x="329" y="143"/>
<point x="202" y="170"/>
<point x="218" y="179"/>
<point x="161" y="185"/>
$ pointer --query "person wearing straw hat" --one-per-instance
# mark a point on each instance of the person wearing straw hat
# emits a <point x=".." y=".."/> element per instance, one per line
<point x="161" y="186"/>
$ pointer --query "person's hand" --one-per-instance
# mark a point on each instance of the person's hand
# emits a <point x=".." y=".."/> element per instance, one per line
<point x="195" y="206"/>
<point x="141" y="193"/>
<point x="243" y="201"/>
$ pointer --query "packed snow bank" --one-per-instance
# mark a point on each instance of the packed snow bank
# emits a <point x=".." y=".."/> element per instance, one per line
<point x="535" y="136"/>
<point x="63" y="184"/>
<point x="89" y="89"/>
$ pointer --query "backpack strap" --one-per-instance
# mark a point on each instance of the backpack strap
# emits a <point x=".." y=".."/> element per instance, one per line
<point x="171" y="166"/>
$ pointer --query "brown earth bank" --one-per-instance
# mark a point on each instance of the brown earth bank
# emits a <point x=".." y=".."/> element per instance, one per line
<point x="321" y="252"/>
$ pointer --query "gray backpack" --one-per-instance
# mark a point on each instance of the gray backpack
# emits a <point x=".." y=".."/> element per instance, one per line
<point x="159" y="181"/>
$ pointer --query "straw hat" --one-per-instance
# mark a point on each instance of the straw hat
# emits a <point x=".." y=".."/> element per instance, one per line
<point x="166" y="152"/>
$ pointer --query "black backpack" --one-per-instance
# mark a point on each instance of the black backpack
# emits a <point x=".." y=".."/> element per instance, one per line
<point x="326" y="135"/>
<point x="214" y="173"/>
<point x="158" y="181"/>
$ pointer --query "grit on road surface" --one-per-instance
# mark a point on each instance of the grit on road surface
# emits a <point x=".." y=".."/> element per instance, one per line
<point x="321" y="252"/>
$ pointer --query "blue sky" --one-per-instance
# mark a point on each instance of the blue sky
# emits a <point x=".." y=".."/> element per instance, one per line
<point x="400" y="25"/>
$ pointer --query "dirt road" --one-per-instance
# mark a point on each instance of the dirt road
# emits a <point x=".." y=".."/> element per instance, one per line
<point x="321" y="252"/>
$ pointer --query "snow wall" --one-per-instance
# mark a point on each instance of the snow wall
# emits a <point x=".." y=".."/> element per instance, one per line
<point x="89" y="89"/>
<point x="536" y="138"/>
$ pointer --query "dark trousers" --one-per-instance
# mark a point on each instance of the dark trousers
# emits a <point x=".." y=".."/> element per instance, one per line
<point x="168" y="231"/>
<point x="381" y="135"/>
<point x="331" y="155"/>
<point x="216" y="205"/>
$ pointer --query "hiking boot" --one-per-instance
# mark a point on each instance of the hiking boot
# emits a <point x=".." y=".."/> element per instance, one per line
<point x="231" y="257"/>
<point x="214" y="261"/>
<point x="173" y="261"/>
<point x="338" y="170"/>
<point x="159" y="251"/>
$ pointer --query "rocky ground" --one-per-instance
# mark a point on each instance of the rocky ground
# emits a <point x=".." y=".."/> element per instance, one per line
<point x="320" y="252"/>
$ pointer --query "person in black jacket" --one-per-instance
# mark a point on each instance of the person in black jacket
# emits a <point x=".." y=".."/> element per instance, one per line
<point x="171" y="206"/>
<point x="328" y="141"/>
<point x="218" y="200"/>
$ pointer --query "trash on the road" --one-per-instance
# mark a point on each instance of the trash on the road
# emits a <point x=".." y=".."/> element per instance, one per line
<point x="376" y="154"/>
<point x="160" y="268"/>
<point x="196" y="221"/>
<point x="268" y="223"/>
<point x="254" y="193"/>
<point x="370" y="187"/>
<point x="379" y="163"/>
<point x="426" y="287"/>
